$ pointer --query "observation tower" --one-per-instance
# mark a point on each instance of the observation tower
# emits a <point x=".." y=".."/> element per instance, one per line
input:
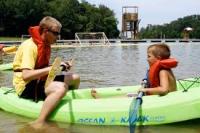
<point x="130" y="22"/>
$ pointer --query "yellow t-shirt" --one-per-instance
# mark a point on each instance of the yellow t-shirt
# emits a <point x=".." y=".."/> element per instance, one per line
<point x="25" y="57"/>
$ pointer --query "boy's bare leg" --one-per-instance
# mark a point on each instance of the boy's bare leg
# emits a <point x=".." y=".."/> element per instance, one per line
<point x="94" y="94"/>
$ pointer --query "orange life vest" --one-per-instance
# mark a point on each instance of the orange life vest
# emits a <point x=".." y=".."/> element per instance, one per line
<point x="44" y="50"/>
<point x="153" y="75"/>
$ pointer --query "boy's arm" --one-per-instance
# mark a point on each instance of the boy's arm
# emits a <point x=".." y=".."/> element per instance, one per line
<point x="164" y="85"/>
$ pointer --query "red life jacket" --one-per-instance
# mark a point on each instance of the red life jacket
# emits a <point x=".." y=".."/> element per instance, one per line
<point x="154" y="70"/>
<point x="44" y="50"/>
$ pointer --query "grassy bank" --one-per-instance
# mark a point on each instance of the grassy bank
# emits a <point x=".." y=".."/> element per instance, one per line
<point x="10" y="38"/>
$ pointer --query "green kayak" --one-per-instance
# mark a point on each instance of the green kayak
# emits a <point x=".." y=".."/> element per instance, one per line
<point x="6" y="67"/>
<point x="112" y="106"/>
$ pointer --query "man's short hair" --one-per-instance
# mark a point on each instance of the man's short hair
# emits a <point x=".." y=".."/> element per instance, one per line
<point x="49" y="22"/>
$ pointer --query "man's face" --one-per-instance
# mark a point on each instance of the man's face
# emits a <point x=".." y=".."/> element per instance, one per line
<point x="52" y="35"/>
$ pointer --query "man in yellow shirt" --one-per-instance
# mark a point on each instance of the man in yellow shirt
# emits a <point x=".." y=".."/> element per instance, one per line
<point x="31" y="67"/>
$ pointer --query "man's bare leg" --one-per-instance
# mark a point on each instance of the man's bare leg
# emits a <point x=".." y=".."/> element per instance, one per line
<point x="72" y="80"/>
<point x="55" y="92"/>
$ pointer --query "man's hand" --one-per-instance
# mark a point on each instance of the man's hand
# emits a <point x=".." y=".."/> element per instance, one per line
<point x="66" y="66"/>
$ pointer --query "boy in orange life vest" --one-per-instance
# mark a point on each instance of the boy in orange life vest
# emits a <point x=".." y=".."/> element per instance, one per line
<point x="160" y="77"/>
<point x="31" y="66"/>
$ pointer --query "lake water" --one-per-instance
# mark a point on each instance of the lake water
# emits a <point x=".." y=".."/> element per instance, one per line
<point x="103" y="66"/>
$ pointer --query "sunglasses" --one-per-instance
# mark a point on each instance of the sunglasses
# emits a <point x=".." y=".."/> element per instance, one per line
<point x="54" y="32"/>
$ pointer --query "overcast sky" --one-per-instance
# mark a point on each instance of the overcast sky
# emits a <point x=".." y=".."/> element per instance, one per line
<point x="153" y="11"/>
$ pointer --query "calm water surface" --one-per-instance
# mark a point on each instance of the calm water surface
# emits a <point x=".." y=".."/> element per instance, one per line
<point x="110" y="66"/>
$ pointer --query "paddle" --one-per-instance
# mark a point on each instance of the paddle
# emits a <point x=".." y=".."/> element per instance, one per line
<point x="55" y="69"/>
<point x="135" y="105"/>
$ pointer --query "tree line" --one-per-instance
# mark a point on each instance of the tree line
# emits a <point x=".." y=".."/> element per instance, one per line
<point x="174" y="29"/>
<point x="18" y="15"/>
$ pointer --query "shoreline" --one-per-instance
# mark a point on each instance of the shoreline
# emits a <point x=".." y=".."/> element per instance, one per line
<point x="113" y="42"/>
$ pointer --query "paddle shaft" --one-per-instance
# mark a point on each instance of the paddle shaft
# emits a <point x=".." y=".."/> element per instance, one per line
<point x="69" y="65"/>
<point x="140" y="93"/>
<point x="137" y="103"/>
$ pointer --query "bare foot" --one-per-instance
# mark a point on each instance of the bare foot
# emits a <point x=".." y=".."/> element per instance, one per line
<point x="38" y="124"/>
<point x="49" y="127"/>
<point x="94" y="93"/>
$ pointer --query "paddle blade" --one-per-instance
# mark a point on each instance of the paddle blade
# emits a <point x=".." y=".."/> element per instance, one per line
<point x="55" y="69"/>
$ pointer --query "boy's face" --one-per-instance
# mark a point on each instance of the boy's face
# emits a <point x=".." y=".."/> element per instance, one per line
<point x="150" y="57"/>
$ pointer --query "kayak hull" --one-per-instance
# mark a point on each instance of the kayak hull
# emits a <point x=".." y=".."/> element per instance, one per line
<point x="112" y="108"/>
<point x="6" y="67"/>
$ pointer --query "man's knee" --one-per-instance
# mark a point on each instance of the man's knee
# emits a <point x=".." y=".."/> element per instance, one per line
<point x="76" y="77"/>
<point x="56" y="87"/>
<point x="61" y="91"/>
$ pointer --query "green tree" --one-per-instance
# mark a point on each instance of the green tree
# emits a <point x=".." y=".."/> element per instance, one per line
<point x="18" y="15"/>
<point x="174" y="29"/>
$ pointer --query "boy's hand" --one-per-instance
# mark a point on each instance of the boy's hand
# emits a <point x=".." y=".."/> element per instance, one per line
<point x="142" y="90"/>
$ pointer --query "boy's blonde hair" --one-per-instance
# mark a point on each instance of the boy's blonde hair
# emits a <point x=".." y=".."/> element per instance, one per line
<point x="160" y="50"/>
